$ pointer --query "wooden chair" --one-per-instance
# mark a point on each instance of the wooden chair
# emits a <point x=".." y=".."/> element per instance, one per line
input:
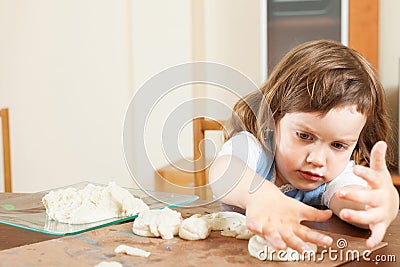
<point x="200" y="125"/>
<point x="6" y="149"/>
<point x="199" y="175"/>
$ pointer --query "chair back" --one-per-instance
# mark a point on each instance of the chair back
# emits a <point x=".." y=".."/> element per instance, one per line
<point x="5" y="127"/>
<point x="200" y="125"/>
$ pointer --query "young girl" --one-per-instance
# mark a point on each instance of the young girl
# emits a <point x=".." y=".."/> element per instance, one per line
<point x="326" y="146"/>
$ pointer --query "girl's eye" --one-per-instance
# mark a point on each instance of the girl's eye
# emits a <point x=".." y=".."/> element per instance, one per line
<point x="303" y="136"/>
<point x="338" y="146"/>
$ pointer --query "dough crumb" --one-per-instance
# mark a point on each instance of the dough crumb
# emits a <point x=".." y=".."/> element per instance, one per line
<point x="109" y="264"/>
<point x="128" y="250"/>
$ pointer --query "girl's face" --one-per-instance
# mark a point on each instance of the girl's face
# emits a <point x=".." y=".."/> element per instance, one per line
<point x="312" y="149"/>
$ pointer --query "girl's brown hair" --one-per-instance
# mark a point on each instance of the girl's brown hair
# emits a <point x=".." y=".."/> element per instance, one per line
<point x="316" y="77"/>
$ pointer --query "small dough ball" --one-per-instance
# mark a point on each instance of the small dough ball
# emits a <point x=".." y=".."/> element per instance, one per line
<point x="194" y="228"/>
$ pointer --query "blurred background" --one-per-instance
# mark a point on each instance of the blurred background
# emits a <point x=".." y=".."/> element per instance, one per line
<point x="69" y="69"/>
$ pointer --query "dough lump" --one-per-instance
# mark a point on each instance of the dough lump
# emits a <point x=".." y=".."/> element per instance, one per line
<point x="155" y="223"/>
<point x="230" y="224"/>
<point x="195" y="227"/>
<point x="91" y="204"/>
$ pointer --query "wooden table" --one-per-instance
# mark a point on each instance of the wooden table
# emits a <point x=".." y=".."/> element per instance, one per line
<point x="21" y="247"/>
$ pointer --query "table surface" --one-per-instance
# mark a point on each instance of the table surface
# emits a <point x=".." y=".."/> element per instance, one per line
<point x="21" y="247"/>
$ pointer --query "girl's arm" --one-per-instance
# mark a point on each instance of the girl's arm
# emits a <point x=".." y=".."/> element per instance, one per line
<point x="376" y="206"/>
<point x="269" y="213"/>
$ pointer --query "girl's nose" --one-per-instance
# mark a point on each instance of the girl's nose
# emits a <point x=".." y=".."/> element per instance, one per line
<point x="316" y="157"/>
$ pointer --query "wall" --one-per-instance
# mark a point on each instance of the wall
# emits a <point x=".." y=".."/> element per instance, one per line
<point x="161" y="38"/>
<point x="69" y="69"/>
<point x="64" y="76"/>
<point x="389" y="58"/>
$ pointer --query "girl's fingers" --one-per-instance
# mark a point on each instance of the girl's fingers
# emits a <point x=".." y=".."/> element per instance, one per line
<point x="295" y="242"/>
<point x="312" y="236"/>
<point x="362" y="217"/>
<point x="315" y="215"/>
<point x="367" y="197"/>
<point x="292" y="233"/>
<point x="298" y="238"/>
<point x="378" y="232"/>
<point x="254" y="227"/>
<point x="368" y="175"/>
<point x="275" y="239"/>
<point x="377" y="158"/>
<point x="270" y="234"/>
<point x="377" y="167"/>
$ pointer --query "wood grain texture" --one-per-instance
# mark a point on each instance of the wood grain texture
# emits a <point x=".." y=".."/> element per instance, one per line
<point x="363" y="28"/>
<point x="200" y="126"/>
<point x="90" y="248"/>
<point x="5" y="127"/>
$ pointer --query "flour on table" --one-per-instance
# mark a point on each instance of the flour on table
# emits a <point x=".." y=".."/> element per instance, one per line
<point x="261" y="249"/>
<point x="128" y="250"/>
<point x="91" y="204"/>
<point x="155" y="223"/>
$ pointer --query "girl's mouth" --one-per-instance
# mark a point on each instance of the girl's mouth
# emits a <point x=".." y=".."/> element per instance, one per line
<point x="310" y="176"/>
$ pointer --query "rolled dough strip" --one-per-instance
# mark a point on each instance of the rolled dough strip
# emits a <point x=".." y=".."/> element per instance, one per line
<point x="109" y="264"/>
<point x="128" y="250"/>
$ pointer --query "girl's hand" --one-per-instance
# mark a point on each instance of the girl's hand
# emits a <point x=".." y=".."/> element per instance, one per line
<point x="269" y="213"/>
<point x="279" y="222"/>
<point x="381" y="200"/>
